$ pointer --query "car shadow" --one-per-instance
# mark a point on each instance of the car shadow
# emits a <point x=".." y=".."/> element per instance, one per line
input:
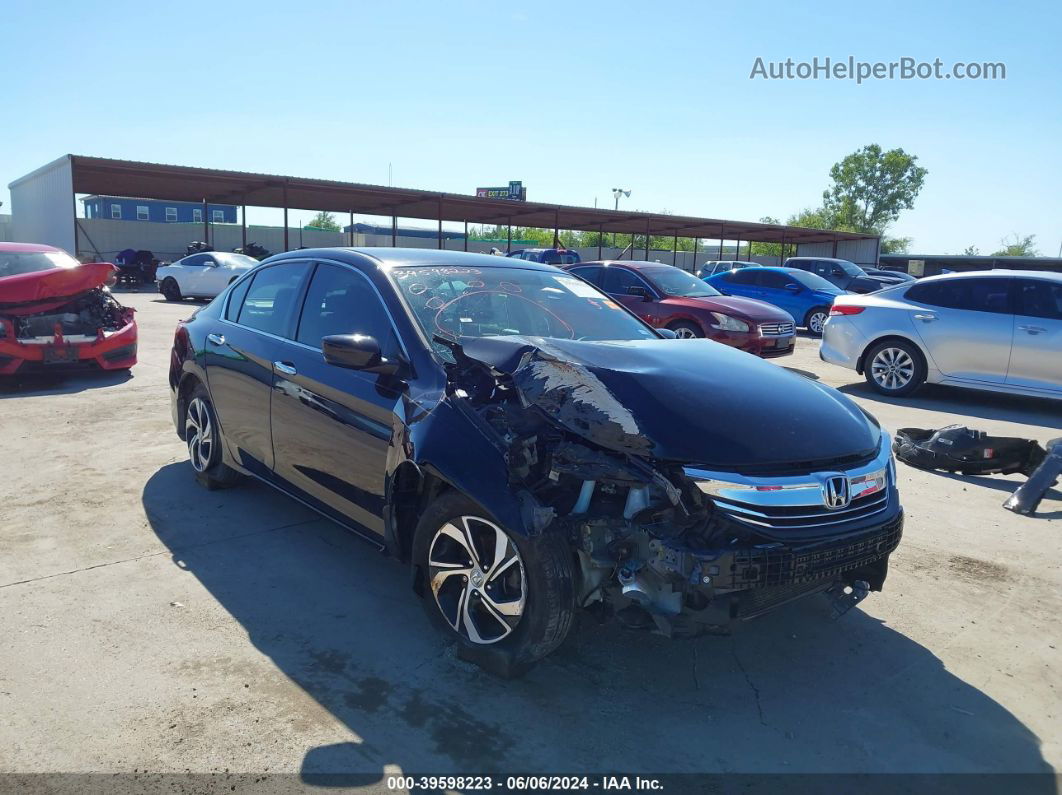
<point x="792" y="692"/>
<point x="60" y="382"/>
<point x="970" y="403"/>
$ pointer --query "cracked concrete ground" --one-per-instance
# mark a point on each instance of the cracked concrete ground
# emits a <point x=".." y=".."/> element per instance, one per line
<point x="147" y="624"/>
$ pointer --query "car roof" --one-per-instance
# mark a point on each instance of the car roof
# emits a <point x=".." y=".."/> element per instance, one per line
<point x="400" y="257"/>
<point x="999" y="273"/>
<point x="27" y="248"/>
<point x="634" y="264"/>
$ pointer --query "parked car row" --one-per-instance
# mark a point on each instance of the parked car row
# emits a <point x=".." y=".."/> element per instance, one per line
<point x="529" y="446"/>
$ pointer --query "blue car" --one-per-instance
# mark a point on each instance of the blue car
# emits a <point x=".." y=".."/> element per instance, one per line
<point x="547" y="256"/>
<point x="804" y="295"/>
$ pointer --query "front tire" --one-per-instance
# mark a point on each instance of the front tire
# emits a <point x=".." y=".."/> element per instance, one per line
<point x="894" y="368"/>
<point x="170" y="290"/>
<point x="506" y="599"/>
<point x="815" y="320"/>
<point x="686" y="331"/>
<point x="202" y="434"/>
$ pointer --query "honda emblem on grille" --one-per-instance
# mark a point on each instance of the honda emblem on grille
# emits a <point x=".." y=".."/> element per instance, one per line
<point x="835" y="492"/>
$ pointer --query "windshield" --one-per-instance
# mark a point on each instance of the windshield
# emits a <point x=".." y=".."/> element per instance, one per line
<point x="13" y="263"/>
<point x="673" y="282"/>
<point x="238" y="259"/>
<point x="850" y="268"/>
<point x="457" y="302"/>
<point x="811" y="280"/>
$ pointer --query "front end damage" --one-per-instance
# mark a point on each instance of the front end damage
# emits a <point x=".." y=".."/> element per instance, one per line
<point x="51" y="327"/>
<point x="660" y="544"/>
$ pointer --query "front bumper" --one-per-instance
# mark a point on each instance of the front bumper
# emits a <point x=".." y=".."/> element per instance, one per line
<point x="765" y="347"/>
<point x="108" y="351"/>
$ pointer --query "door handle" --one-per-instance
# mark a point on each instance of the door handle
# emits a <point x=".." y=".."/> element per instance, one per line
<point x="215" y="339"/>
<point x="926" y="318"/>
<point x="284" y="367"/>
<point x="1033" y="329"/>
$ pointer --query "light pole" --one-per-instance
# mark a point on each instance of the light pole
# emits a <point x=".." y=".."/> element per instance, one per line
<point x="617" y="192"/>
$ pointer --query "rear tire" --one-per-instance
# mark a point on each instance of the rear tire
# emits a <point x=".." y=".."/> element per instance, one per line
<point x="815" y="319"/>
<point x="202" y="434"/>
<point x="170" y="290"/>
<point x="894" y="368"/>
<point x="685" y="330"/>
<point x="503" y="619"/>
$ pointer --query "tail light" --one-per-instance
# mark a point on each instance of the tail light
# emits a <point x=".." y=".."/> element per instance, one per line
<point x="845" y="310"/>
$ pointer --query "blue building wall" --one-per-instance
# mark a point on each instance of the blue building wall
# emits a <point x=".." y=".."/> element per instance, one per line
<point x="186" y="212"/>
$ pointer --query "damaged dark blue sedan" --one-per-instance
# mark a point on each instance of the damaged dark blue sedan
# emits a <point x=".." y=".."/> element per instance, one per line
<point x="529" y="447"/>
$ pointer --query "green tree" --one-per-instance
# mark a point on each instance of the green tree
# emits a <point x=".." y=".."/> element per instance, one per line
<point x="1016" y="246"/>
<point x="324" y="221"/>
<point x="971" y="251"/>
<point x="895" y="245"/>
<point x="870" y="189"/>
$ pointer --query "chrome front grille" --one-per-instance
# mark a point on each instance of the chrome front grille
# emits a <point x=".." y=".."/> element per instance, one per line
<point x="776" y="329"/>
<point x="802" y="502"/>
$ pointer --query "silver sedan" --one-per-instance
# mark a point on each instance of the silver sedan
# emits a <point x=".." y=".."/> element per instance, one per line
<point x="997" y="330"/>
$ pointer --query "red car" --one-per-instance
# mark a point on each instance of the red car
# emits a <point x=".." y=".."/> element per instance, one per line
<point x="56" y="312"/>
<point x="668" y="297"/>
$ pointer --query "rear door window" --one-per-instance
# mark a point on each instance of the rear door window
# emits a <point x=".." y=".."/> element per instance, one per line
<point x="746" y="276"/>
<point x="976" y="295"/>
<point x="592" y="274"/>
<point x="270" y="302"/>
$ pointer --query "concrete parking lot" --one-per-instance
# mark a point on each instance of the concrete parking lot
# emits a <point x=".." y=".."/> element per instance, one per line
<point x="147" y="624"/>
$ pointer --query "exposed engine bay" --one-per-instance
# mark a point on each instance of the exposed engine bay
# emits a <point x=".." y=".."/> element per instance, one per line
<point x="88" y="316"/>
<point x="652" y="548"/>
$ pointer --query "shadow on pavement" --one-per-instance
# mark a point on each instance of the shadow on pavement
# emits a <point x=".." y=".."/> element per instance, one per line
<point x="970" y="403"/>
<point x="792" y="692"/>
<point x="60" y="382"/>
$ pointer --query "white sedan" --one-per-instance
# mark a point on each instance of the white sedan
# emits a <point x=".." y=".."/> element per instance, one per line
<point x="202" y="275"/>
<point x="998" y="330"/>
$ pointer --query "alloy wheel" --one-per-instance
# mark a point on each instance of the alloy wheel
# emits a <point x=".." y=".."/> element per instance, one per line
<point x="477" y="579"/>
<point x="199" y="432"/>
<point x="892" y="368"/>
<point x="816" y="322"/>
<point x="685" y="333"/>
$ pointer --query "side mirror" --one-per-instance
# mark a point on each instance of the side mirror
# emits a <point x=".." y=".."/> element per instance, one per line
<point x="636" y="290"/>
<point x="793" y="288"/>
<point x="357" y="352"/>
<point x="667" y="333"/>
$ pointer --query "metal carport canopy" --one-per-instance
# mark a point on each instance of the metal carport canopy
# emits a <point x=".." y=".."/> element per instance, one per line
<point x="104" y="176"/>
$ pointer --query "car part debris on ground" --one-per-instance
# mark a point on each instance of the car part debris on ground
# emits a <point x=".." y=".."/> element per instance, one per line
<point x="957" y="448"/>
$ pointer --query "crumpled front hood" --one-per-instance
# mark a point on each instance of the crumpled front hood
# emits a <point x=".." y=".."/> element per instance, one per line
<point x="688" y="401"/>
<point x="29" y="293"/>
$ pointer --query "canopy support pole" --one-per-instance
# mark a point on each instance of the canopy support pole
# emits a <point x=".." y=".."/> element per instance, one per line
<point x="286" y="216"/>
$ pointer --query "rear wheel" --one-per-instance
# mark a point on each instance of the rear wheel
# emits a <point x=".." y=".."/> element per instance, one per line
<point x="895" y="368"/>
<point x="815" y="320"/>
<point x="171" y="291"/>
<point x="686" y="331"/>
<point x="203" y="437"/>
<point x="506" y="599"/>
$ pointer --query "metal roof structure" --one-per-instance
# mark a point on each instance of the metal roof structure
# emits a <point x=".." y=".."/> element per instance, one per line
<point x="183" y="183"/>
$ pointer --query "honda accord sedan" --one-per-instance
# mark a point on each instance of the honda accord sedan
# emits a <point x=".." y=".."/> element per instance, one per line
<point x="668" y="297"/>
<point x="997" y="330"/>
<point x="528" y="447"/>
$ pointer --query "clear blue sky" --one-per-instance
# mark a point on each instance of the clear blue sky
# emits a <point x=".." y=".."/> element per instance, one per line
<point x="573" y="98"/>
